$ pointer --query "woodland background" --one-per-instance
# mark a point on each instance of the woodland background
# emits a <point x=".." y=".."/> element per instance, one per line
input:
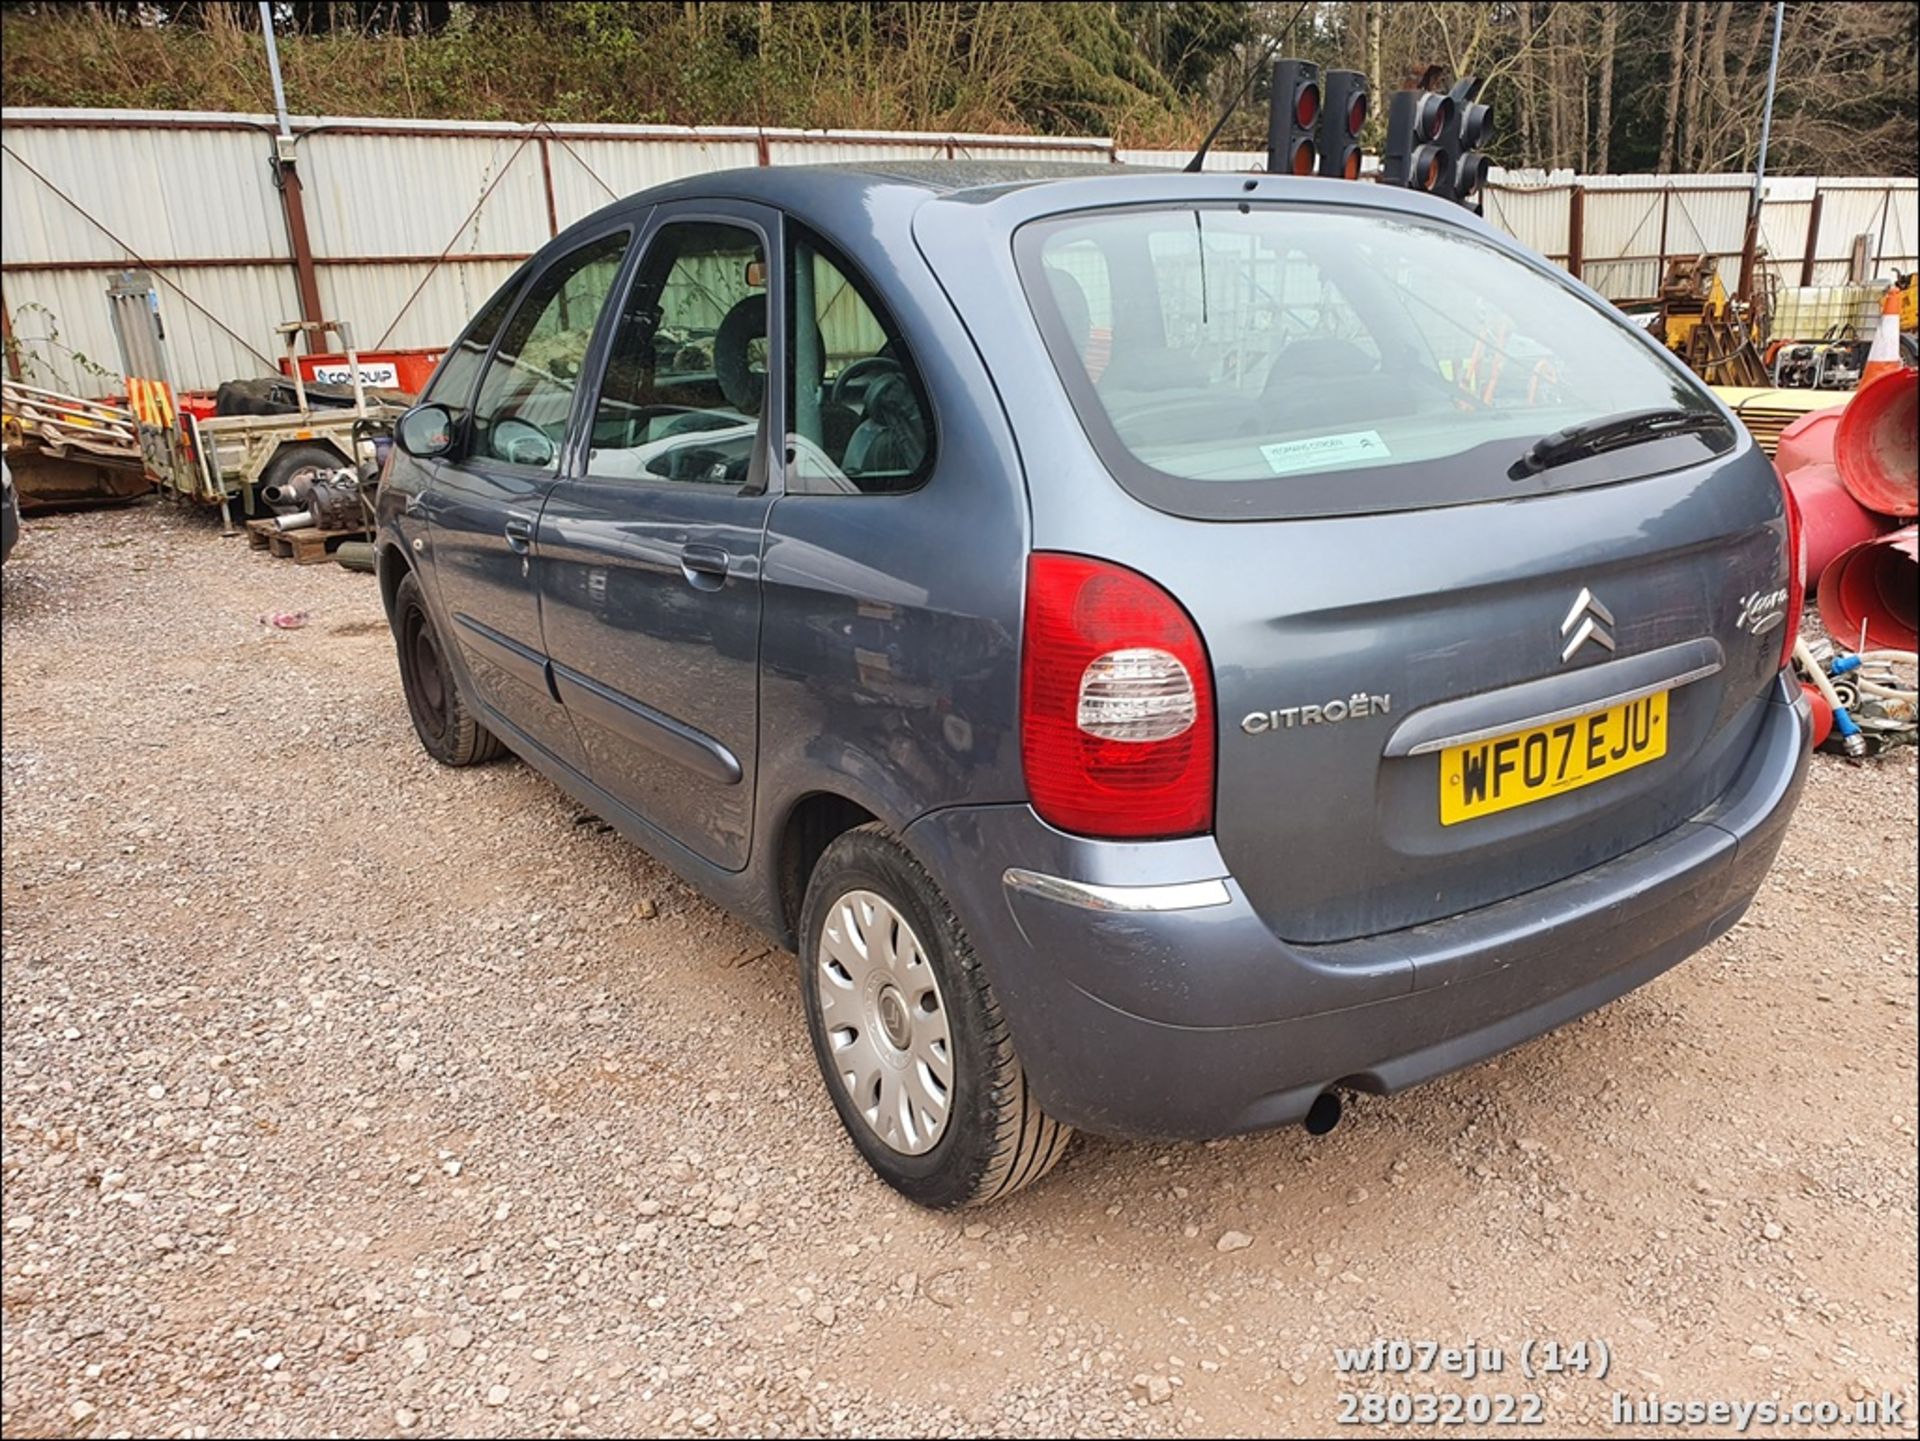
<point x="1579" y="84"/>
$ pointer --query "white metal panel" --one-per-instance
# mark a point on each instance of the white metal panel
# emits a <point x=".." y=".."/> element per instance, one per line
<point x="1535" y="218"/>
<point x="1623" y="279"/>
<point x="588" y="174"/>
<point x="1783" y="231"/>
<point x="1887" y="213"/>
<point x="1901" y="245"/>
<point x="825" y="150"/>
<point x="72" y="304"/>
<point x="175" y="194"/>
<point x="1704" y="219"/>
<point x="372" y="298"/>
<point x="1236" y="162"/>
<point x="1072" y="154"/>
<point x="1615" y="226"/>
<point x="409" y="195"/>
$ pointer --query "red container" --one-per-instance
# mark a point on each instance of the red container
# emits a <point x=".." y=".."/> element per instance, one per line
<point x="1875" y="586"/>
<point x="1831" y="520"/>
<point x="402" y="370"/>
<point x="1877" y="444"/>
<point x="1822" y="714"/>
<point x="1809" y="440"/>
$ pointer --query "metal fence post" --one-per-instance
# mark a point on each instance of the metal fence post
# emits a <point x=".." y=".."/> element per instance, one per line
<point x="1577" y="231"/>
<point x="1813" y="239"/>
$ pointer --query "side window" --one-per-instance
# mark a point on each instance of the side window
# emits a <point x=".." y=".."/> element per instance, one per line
<point x="520" y="415"/>
<point x="453" y="385"/>
<point x="687" y="372"/>
<point x="859" y="414"/>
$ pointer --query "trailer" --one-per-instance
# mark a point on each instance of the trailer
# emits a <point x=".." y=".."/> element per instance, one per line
<point x="244" y="464"/>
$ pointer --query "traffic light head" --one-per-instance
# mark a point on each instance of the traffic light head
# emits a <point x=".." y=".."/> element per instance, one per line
<point x="1293" y="118"/>
<point x="1469" y="128"/>
<point x="1346" y="115"/>
<point x="1416" y="155"/>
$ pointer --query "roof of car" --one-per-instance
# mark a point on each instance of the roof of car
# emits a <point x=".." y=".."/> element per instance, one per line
<point x="863" y="206"/>
<point x="826" y="185"/>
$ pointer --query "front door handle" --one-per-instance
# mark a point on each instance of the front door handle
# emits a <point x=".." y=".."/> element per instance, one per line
<point x="704" y="566"/>
<point x="519" y="535"/>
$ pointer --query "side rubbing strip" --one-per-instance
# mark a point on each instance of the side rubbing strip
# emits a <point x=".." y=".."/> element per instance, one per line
<point x="644" y="726"/>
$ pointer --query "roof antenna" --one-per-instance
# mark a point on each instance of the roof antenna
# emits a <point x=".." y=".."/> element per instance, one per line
<point x="1192" y="167"/>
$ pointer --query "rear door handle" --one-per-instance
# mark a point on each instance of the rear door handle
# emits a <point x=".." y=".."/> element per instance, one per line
<point x="519" y="535"/>
<point x="704" y="566"/>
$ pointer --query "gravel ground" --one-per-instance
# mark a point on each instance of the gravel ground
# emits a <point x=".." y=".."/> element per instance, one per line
<point x="345" y="1094"/>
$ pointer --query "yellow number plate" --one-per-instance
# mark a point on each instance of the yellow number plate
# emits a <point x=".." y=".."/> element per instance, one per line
<point x="1513" y="770"/>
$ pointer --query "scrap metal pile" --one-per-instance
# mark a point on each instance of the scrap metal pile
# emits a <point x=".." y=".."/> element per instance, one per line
<point x="67" y="449"/>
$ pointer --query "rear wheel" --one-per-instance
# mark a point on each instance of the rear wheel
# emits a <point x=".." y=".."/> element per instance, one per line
<point x="446" y="728"/>
<point x="908" y="1033"/>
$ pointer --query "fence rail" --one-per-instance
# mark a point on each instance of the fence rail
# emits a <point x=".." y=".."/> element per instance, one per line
<point x="410" y="225"/>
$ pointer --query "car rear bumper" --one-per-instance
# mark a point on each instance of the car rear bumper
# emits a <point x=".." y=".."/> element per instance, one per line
<point x="1137" y="1016"/>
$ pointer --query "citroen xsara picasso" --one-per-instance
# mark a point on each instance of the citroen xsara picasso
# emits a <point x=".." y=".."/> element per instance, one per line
<point x="1161" y="648"/>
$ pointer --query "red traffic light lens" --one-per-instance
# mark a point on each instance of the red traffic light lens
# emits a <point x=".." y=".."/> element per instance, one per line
<point x="1350" y="166"/>
<point x="1306" y="105"/>
<point x="1435" y="112"/>
<point x="1303" y="157"/>
<point x="1356" y="114"/>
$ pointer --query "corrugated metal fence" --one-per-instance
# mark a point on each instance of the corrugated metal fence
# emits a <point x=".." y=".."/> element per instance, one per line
<point x="413" y="223"/>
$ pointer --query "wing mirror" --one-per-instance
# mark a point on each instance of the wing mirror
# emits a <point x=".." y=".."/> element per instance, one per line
<point x="425" y="432"/>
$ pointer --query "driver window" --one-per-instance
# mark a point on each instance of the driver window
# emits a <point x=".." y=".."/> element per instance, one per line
<point x="859" y="412"/>
<point x="687" y="371"/>
<point x="520" y="415"/>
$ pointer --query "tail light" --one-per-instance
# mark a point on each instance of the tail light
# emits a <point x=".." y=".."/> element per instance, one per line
<point x="1116" y="703"/>
<point x="1796" y="571"/>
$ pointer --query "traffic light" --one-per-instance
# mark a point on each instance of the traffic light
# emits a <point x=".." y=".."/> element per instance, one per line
<point x="1293" y="118"/>
<point x="1346" y="111"/>
<point x="1468" y="128"/>
<point x="1416" y="155"/>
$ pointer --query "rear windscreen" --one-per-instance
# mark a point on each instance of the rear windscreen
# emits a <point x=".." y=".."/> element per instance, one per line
<point x="1257" y="361"/>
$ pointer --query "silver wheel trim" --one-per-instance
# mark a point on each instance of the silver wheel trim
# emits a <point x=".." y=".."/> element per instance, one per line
<point x="871" y="970"/>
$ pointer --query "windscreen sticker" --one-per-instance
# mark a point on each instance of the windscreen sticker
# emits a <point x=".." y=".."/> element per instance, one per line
<point x="1355" y="447"/>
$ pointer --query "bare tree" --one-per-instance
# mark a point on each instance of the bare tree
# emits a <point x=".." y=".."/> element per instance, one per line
<point x="1676" y="67"/>
<point x="1609" y="38"/>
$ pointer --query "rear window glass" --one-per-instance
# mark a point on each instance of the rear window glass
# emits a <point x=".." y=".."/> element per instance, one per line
<point x="1272" y="361"/>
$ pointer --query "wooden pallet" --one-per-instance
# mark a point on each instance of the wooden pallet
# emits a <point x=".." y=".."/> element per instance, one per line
<point x="303" y="547"/>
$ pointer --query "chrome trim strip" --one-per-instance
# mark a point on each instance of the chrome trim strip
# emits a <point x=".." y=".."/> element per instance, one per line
<point x="1179" y="896"/>
<point x="1639" y="692"/>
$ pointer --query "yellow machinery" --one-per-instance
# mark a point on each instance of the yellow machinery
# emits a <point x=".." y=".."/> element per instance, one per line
<point x="1713" y="334"/>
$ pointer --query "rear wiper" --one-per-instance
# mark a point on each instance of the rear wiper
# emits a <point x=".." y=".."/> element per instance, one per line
<point x="1610" y="432"/>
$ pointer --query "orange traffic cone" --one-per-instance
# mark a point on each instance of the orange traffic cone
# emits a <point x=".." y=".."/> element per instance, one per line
<point x="1884" y="356"/>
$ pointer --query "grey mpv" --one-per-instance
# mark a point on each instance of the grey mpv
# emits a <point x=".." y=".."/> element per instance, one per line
<point x="1162" y="648"/>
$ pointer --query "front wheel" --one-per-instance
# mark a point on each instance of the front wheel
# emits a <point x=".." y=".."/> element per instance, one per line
<point x="908" y="1033"/>
<point x="446" y="728"/>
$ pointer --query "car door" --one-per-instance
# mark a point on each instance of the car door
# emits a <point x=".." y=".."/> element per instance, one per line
<point x="649" y="551"/>
<point x="484" y="504"/>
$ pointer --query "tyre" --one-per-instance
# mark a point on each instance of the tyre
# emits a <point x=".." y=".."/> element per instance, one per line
<point x="289" y="458"/>
<point x="911" y="1043"/>
<point x="446" y="728"/>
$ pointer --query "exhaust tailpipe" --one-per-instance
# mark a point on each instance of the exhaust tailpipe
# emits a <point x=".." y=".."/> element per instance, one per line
<point x="299" y="520"/>
<point x="1323" y="1115"/>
